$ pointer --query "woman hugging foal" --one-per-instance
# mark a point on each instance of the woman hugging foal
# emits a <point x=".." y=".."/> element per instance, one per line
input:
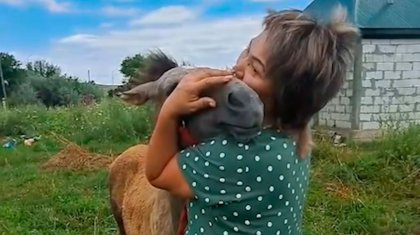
<point x="296" y="65"/>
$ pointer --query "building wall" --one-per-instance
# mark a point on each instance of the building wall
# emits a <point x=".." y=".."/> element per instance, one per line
<point x="337" y="113"/>
<point x="390" y="83"/>
<point x="390" y="88"/>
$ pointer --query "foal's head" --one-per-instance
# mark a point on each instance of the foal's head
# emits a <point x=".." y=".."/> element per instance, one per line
<point x="239" y="111"/>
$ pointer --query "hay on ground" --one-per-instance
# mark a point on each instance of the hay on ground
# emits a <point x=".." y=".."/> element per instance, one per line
<point x="339" y="190"/>
<point x="73" y="157"/>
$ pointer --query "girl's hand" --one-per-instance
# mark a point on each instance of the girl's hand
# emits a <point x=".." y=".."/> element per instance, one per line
<point x="185" y="99"/>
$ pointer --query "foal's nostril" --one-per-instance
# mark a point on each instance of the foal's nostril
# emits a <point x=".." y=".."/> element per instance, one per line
<point x="234" y="100"/>
<point x="237" y="99"/>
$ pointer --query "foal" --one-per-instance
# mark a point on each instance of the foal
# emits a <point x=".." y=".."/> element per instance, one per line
<point x="239" y="112"/>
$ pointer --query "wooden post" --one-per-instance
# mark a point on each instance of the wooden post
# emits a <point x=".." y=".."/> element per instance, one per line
<point x="315" y="120"/>
<point x="3" y="85"/>
<point x="357" y="87"/>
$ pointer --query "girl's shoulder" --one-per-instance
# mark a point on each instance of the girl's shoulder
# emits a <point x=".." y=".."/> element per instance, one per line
<point x="268" y="142"/>
<point x="262" y="136"/>
<point x="268" y="139"/>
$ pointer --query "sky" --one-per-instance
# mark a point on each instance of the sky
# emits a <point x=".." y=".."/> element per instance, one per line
<point x="96" y="35"/>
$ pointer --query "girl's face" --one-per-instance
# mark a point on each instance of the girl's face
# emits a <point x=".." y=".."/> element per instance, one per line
<point x="251" y="66"/>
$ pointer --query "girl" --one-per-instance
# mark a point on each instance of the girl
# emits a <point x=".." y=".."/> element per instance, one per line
<point x="296" y="65"/>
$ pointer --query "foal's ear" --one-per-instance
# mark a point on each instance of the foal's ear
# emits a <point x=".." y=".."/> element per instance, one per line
<point x="140" y="94"/>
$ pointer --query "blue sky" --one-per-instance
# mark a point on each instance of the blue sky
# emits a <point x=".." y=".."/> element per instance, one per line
<point x="95" y="35"/>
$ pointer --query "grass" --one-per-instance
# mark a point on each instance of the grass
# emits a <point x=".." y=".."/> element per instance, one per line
<point x="51" y="203"/>
<point x="109" y="121"/>
<point x="361" y="189"/>
<point x="366" y="189"/>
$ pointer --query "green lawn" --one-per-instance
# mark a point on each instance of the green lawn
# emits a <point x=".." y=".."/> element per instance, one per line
<point x="361" y="189"/>
<point x="353" y="191"/>
<point x="38" y="202"/>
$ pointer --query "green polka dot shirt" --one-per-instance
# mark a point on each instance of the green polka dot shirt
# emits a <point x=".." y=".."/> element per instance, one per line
<point x="258" y="187"/>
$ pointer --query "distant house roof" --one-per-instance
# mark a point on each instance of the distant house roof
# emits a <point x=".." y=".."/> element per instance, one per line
<point x="376" y="18"/>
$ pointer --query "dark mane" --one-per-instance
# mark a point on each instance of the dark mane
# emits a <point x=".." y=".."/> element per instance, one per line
<point x="156" y="64"/>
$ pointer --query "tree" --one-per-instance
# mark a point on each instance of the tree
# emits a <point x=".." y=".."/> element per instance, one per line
<point x="25" y="94"/>
<point x="42" y="83"/>
<point x="130" y="65"/>
<point x="67" y="96"/>
<point x="132" y="68"/>
<point x="12" y="73"/>
<point x="64" y="91"/>
<point x="47" y="90"/>
<point x="43" y="68"/>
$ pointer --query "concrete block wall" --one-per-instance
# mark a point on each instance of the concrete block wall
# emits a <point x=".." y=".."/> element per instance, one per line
<point x="337" y="113"/>
<point x="390" y="83"/>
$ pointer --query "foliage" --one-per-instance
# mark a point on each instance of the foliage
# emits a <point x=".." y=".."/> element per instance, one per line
<point x="360" y="189"/>
<point x="43" y="68"/>
<point x="400" y="144"/>
<point x="63" y="91"/>
<point x="109" y="120"/>
<point x="353" y="190"/>
<point x="366" y="188"/>
<point x="132" y="68"/>
<point x="42" y="83"/>
<point x="25" y="94"/>
<point x="34" y="202"/>
<point x="12" y="73"/>
<point x="131" y="64"/>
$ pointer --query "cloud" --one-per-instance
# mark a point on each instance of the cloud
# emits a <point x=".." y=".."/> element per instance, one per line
<point x="212" y="42"/>
<point x="12" y="2"/>
<point x="119" y="11"/>
<point x="50" y="5"/>
<point x="106" y="25"/>
<point x="54" y="6"/>
<point x="167" y="15"/>
<point x="78" y="39"/>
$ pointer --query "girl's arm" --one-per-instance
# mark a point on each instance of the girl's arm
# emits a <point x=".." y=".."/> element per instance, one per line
<point x="162" y="169"/>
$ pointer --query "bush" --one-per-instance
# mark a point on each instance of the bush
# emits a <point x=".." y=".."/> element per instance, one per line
<point x="110" y="120"/>
<point x="25" y="94"/>
<point x="400" y="145"/>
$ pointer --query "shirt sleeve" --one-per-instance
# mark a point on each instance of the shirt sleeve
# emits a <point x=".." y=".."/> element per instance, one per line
<point x="208" y="167"/>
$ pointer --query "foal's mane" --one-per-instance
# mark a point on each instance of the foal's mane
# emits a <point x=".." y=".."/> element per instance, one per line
<point x="156" y="64"/>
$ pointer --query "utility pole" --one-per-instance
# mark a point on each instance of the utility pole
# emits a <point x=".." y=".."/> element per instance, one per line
<point x="3" y="85"/>
<point x="88" y="75"/>
<point x="112" y="76"/>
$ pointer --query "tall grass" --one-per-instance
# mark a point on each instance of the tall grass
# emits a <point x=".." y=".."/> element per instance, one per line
<point x="108" y="121"/>
<point x="359" y="189"/>
<point x="368" y="188"/>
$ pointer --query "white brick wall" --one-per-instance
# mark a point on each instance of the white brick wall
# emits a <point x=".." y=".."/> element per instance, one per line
<point x="390" y="87"/>
<point x="391" y="83"/>
<point x="338" y="111"/>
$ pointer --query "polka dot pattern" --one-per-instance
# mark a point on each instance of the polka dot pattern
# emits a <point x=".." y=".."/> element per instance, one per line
<point x="258" y="187"/>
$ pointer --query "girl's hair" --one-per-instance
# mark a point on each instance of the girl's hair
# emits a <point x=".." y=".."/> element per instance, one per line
<point x="307" y="64"/>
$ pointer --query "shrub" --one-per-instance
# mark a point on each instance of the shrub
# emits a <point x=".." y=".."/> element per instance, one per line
<point x="110" y="120"/>
<point x="401" y="144"/>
